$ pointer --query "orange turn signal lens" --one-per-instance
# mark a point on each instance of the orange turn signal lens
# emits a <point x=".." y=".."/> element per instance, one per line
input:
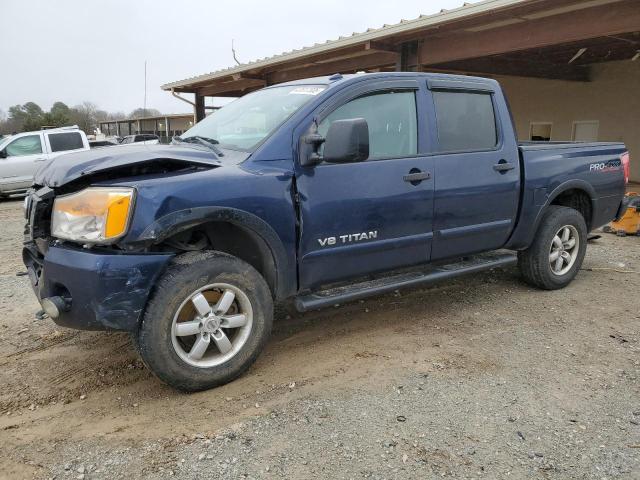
<point x="117" y="216"/>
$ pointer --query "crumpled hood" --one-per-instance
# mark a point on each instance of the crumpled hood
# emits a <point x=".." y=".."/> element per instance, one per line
<point x="66" y="168"/>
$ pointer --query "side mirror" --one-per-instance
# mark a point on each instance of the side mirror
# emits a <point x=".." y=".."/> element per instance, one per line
<point x="3" y="154"/>
<point x="347" y="141"/>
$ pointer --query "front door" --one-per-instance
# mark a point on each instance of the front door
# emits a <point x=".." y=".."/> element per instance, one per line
<point x="477" y="170"/>
<point x="359" y="218"/>
<point x="24" y="156"/>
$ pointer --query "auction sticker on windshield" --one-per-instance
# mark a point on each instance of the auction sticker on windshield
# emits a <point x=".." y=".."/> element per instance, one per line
<point x="307" y="90"/>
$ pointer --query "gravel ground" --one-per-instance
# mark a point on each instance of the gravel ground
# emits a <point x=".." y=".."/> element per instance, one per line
<point x="483" y="377"/>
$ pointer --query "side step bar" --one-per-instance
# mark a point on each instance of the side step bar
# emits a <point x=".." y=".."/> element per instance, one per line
<point x="349" y="293"/>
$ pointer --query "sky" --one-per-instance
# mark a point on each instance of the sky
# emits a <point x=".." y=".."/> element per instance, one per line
<point x="87" y="50"/>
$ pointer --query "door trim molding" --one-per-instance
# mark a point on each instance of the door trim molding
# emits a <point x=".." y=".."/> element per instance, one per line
<point x="472" y="229"/>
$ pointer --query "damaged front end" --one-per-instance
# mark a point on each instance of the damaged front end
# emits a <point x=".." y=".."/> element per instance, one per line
<point x="92" y="286"/>
<point x="95" y="288"/>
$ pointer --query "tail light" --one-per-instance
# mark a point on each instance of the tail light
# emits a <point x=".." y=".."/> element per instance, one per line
<point x="626" y="166"/>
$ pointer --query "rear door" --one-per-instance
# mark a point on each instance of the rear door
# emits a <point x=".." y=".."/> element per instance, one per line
<point x="477" y="168"/>
<point x="359" y="218"/>
<point x="24" y="156"/>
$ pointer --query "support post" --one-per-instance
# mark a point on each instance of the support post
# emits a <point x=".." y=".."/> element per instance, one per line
<point x="199" y="107"/>
<point x="401" y="62"/>
<point x="407" y="57"/>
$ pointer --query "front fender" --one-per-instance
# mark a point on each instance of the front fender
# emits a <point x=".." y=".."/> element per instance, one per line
<point x="181" y="220"/>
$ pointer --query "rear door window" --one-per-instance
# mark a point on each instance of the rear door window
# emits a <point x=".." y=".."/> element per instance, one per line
<point x="465" y="121"/>
<point x="61" y="142"/>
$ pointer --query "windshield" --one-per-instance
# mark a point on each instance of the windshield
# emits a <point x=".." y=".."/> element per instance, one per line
<point x="4" y="140"/>
<point x="247" y="121"/>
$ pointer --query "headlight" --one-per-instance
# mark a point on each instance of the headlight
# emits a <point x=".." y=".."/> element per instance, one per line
<point x="93" y="215"/>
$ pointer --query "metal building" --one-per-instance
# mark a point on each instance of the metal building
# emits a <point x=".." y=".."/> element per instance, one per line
<point x="571" y="68"/>
<point x="165" y="126"/>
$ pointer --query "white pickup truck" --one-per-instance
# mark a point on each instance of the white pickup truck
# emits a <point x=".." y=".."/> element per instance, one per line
<point x="21" y="155"/>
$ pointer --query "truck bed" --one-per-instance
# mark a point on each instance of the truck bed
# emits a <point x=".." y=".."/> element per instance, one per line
<point x="531" y="145"/>
<point x="551" y="167"/>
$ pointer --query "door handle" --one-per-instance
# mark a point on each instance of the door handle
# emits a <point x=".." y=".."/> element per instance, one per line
<point x="503" y="166"/>
<point x="415" y="176"/>
<point x="39" y="159"/>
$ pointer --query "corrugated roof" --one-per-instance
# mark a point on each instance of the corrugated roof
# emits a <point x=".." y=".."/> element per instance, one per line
<point x="404" y="26"/>
<point x="153" y="117"/>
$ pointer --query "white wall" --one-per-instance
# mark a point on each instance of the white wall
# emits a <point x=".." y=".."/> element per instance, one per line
<point x="612" y="98"/>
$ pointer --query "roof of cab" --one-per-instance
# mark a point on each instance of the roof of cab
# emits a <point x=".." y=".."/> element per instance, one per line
<point x="339" y="79"/>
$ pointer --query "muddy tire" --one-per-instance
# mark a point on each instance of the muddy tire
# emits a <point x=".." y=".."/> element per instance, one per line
<point x="556" y="254"/>
<point x="207" y="321"/>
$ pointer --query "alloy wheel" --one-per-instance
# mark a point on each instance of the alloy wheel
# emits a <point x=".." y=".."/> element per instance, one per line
<point x="564" y="250"/>
<point x="211" y="325"/>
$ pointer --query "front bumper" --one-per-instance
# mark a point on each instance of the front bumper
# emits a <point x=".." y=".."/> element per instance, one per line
<point x="104" y="291"/>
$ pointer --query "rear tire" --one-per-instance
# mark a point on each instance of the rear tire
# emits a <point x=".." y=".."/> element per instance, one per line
<point x="206" y="322"/>
<point x="554" y="258"/>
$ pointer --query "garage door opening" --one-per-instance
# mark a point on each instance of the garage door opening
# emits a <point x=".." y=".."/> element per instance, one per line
<point x="540" y="131"/>
<point x="585" y="131"/>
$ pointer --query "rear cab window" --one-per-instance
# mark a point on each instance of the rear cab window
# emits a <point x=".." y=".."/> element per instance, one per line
<point x="465" y="121"/>
<point x="61" y="142"/>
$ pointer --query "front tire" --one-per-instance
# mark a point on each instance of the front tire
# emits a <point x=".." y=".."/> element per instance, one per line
<point x="556" y="254"/>
<point x="206" y="322"/>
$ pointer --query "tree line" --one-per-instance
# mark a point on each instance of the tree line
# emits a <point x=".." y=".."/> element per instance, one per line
<point x="30" y="116"/>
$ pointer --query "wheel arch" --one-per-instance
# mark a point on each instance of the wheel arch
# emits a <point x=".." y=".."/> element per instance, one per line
<point x="568" y="189"/>
<point x="237" y="225"/>
<point x="577" y="194"/>
<point x="565" y="195"/>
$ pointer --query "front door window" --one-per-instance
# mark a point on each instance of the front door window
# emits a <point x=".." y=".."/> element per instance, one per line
<point x="392" y="121"/>
<point x="28" y="145"/>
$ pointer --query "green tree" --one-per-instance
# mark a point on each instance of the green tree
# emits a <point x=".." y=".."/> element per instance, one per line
<point x="59" y="108"/>
<point x="58" y="116"/>
<point x="17" y="117"/>
<point x="26" y="117"/>
<point x="144" y="112"/>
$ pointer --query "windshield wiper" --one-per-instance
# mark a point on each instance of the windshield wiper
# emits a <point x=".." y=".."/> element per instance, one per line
<point x="210" y="143"/>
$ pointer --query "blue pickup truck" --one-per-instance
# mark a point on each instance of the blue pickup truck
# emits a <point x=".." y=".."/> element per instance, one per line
<point x="319" y="192"/>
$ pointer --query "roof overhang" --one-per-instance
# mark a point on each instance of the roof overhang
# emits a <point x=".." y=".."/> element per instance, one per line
<point x="171" y="116"/>
<point x="475" y="38"/>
